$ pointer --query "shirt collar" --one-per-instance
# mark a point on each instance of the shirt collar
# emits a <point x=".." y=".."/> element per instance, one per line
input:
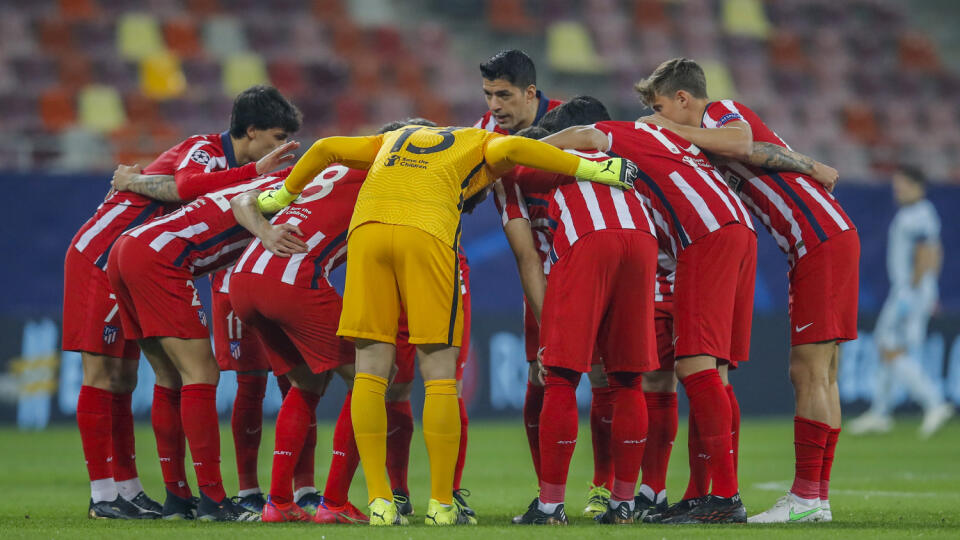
<point x="227" y="143"/>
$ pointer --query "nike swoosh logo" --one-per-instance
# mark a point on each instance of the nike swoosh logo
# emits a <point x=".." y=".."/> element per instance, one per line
<point x="801" y="515"/>
<point x="252" y="431"/>
<point x="802" y="328"/>
<point x="532" y="425"/>
<point x="392" y="431"/>
<point x="606" y="420"/>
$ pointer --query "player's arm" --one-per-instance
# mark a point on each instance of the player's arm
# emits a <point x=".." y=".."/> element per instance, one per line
<point x="779" y="158"/>
<point x="193" y="180"/>
<point x="733" y="140"/>
<point x="353" y="152"/>
<point x="160" y="187"/>
<point x="278" y="239"/>
<point x="530" y="267"/>
<point x="927" y="258"/>
<point x="579" y="137"/>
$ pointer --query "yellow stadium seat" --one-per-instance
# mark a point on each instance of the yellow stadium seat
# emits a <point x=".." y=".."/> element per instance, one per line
<point x="570" y="49"/>
<point x="241" y="71"/>
<point x="139" y="36"/>
<point x="719" y="81"/>
<point x="745" y="18"/>
<point x="100" y="108"/>
<point x="161" y="76"/>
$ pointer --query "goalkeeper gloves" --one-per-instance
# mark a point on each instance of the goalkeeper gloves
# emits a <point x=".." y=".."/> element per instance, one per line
<point x="616" y="172"/>
<point x="274" y="200"/>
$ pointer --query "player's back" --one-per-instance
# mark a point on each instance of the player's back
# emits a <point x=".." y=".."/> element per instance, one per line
<point x="912" y="225"/>
<point x="420" y="178"/>
<point x="323" y="214"/>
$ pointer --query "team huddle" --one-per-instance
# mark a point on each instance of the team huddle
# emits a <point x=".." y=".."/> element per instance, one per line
<point x="636" y="253"/>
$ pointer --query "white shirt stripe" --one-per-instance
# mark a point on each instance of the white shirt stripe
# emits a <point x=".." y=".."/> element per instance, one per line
<point x="709" y="220"/>
<point x="194" y="148"/>
<point x="166" y="237"/>
<point x="716" y="189"/>
<point x="239" y="244"/>
<point x="246" y="254"/>
<point x="290" y="271"/>
<point x="99" y="226"/>
<point x="159" y="221"/>
<point x="333" y="259"/>
<point x="823" y="202"/>
<point x="623" y="212"/>
<point x="593" y="206"/>
<point x="568" y="227"/>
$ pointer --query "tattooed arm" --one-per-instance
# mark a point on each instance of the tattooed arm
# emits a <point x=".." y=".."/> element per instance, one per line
<point x="160" y="187"/>
<point x="778" y="158"/>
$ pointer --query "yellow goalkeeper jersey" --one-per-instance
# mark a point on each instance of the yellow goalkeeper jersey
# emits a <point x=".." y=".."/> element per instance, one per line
<point x="421" y="176"/>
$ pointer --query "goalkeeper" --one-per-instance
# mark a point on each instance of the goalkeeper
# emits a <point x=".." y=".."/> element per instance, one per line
<point x="402" y="254"/>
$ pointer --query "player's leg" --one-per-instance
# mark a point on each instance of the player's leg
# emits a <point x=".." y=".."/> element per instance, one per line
<point x="908" y="369"/>
<point x="123" y="382"/>
<point x="459" y="493"/>
<point x="660" y="395"/>
<point x="724" y="370"/>
<point x="400" y="419"/>
<point x="601" y="422"/>
<point x="246" y="422"/>
<point x="830" y="449"/>
<point x="533" y="398"/>
<point x="336" y="507"/>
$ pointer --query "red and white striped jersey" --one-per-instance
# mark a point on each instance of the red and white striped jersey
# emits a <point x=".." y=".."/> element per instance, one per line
<point x="323" y="213"/>
<point x="513" y="202"/>
<point x="195" y="163"/>
<point x="545" y="105"/>
<point x="203" y="236"/>
<point x="796" y="209"/>
<point x="687" y="196"/>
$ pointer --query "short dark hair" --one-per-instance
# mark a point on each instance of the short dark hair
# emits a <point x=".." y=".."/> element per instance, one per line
<point x="532" y="132"/>
<point x="514" y="66"/>
<point x="263" y="107"/>
<point x="670" y="76"/>
<point x="397" y="124"/>
<point x="579" y="111"/>
<point x="913" y="173"/>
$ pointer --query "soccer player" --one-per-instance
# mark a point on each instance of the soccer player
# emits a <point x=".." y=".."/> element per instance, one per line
<point x="261" y="121"/>
<point x="822" y="248"/>
<point x="510" y="88"/>
<point x="405" y="231"/>
<point x="914" y="258"/>
<point x="713" y="242"/>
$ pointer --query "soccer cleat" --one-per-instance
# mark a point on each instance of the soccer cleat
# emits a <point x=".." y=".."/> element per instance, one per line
<point x="682" y="507"/>
<point x="146" y="504"/>
<point x="870" y="422"/>
<point x="826" y="514"/>
<point x="712" y="509"/>
<point x="283" y="512"/>
<point x="452" y="514"/>
<point x="309" y="502"/>
<point x="175" y="507"/>
<point x="934" y="418"/>
<point x="251" y="503"/>
<point x="345" y="513"/>
<point x="535" y="516"/>
<point x="644" y="509"/>
<point x="225" y="510"/>
<point x="790" y="509"/>
<point x="621" y="515"/>
<point x="118" y="508"/>
<point x="385" y="513"/>
<point x="459" y="496"/>
<point x="598" y="499"/>
<point x="402" y="498"/>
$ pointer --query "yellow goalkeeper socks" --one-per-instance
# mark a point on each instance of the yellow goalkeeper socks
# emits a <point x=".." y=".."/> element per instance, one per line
<point x="369" y="414"/>
<point x="441" y="431"/>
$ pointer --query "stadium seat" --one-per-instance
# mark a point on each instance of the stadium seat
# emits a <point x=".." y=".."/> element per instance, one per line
<point x="75" y="71"/>
<point x="181" y="37"/>
<point x="510" y="16"/>
<point x="570" y="49"/>
<point x="55" y="35"/>
<point x="75" y="10"/>
<point x="242" y="71"/>
<point x="203" y="76"/>
<point x="139" y="36"/>
<point x="223" y="36"/>
<point x="719" y="81"/>
<point x="203" y="8"/>
<point x="161" y="76"/>
<point x="100" y="108"/>
<point x="56" y="109"/>
<point x="650" y="14"/>
<point x="745" y="18"/>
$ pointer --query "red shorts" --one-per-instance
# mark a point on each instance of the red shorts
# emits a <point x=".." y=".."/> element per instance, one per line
<point x="600" y="296"/>
<point x="663" y="326"/>
<point x="713" y="295"/>
<point x="304" y="334"/>
<point x="91" y="319"/>
<point x="236" y="345"/>
<point x="824" y="286"/>
<point x="156" y="298"/>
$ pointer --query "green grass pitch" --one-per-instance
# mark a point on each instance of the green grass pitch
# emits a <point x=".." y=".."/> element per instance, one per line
<point x="883" y="486"/>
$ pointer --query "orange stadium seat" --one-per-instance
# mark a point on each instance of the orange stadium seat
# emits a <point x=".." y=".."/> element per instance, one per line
<point x="55" y="35"/>
<point x="203" y="8"/>
<point x="650" y="13"/>
<point x="510" y="16"/>
<point x="75" y="71"/>
<point x="287" y="76"/>
<point x="73" y="10"/>
<point x="56" y="109"/>
<point x="180" y="34"/>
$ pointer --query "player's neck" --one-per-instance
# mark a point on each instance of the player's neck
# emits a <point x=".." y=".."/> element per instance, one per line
<point x="532" y="109"/>
<point x="240" y="150"/>
<point x="698" y="108"/>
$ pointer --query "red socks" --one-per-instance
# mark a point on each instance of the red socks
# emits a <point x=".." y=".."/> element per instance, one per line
<point x="304" y="472"/>
<point x="532" y="405"/>
<point x="345" y="458"/>
<point x="710" y="407"/>
<point x="124" y="443"/>
<point x="662" y="415"/>
<point x="462" y="456"/>
<point x="93" y="418"/>
<point x="558" y="432"/>
<point x="628" y="433"/>
<point x="198" y="412"/>
<point x="734" y="427"/>
<point x="828" y="453"/>
<point x="171" y="446"/>
<point x="247" y="424"/>
<point x="699" y="484"/>
<point x="809" y="442"/>
<point x="399" y="434"/>
<point x="601" y="422"/>
<point x="296" y="414"/>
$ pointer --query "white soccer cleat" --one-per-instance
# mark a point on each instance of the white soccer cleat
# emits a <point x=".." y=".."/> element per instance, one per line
<point x="826" y="515"/>
<point x="790" y="509"/>
<point x="935" y="418"/>
<point x="870" y="422"/>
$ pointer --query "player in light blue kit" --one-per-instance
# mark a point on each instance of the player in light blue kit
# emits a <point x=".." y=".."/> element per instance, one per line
<point x="914" y="256"/>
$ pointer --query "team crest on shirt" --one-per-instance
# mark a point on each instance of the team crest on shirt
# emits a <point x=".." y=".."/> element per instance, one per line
<point x="203" y="316"/>
<point x="110" y="334"/>
<point x="201" y="157"/>
<point x="235" y="350"/>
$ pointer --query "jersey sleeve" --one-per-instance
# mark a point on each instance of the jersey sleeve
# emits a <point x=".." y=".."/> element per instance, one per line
<point x="353" y="152"/>
<point x="193" y="171"/>
<point x="509" y="199"/>
<point x="721" y="113"/>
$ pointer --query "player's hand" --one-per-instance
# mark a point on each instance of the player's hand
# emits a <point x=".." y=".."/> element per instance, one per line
<point x="826" y="175"/>
<point x="537" y="371"/>
<point x="282" y="242"/>
<point x="277" y="158"/>
<point x="274" y="200"/>
<point x="616" y="172"/>
<point x="657" y="120"/>
<point x="123" y="175"/>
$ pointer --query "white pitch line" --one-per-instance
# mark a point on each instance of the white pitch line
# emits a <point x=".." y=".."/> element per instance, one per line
<point x="783" y="486"/>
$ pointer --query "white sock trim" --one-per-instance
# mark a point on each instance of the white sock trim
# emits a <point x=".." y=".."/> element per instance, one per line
<point x="647" y="492"/>
<point x="547" y="508"/>
<point x="306" y="490"/>
<point x="104" y="489"/>
<point x="246" y="492"/>
<point x="129" y="489"/>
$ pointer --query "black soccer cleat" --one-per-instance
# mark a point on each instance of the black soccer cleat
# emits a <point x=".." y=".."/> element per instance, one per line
<point x="175" y="507"/>
<point x="145" y="503"/>
<point x="225" y="510"/>
<point x="644" y="509"/>
<point x="402" y="499"/>
<point x="459" y="495"/>
<point x="621" y="515"/>
<point x="534" y="516"/>
<point x="675" y="509"/>
<point x="712" y="510"/>
<point x="252" y="503"/>
<point x="118" y="508"/>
